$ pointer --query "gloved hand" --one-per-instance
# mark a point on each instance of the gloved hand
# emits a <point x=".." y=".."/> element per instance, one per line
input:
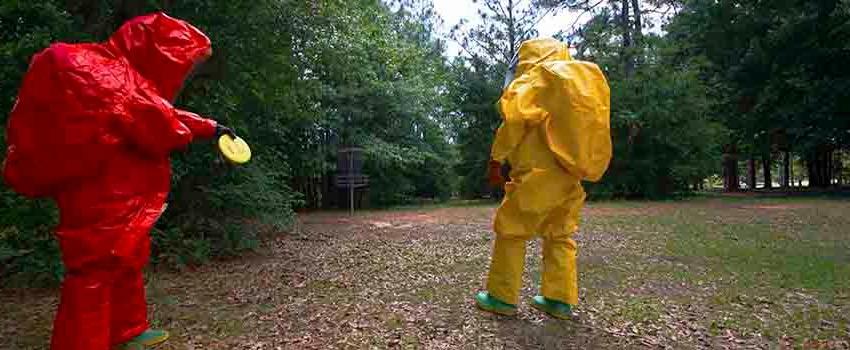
<point x="494" y="174"/>
<point x="223" y="130"/>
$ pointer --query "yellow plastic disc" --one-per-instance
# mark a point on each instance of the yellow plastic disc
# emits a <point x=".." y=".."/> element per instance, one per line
<point x="235" y="150"/>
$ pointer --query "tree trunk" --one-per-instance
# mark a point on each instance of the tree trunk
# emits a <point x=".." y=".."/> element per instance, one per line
<point x="818" y="163"/>
<point x="328" y="199"/>
<point x="786" y="170"/>
<point x="812" y="169"/>
<point x="626" y="27"/>
<point x="791" y="170"/>
<point x="511" y="31"/>
<point x="730" y="172"/>
<point x="751" y="174"/>
<point x="830" y="168"/>
<point x="638" y="30"/>
<point x="766" y="165"/>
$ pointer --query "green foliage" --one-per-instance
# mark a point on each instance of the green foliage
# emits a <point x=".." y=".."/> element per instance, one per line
<point x="503" y="25"/>
<point x="28" y="252"/>
<point x="782" y="56"/>
<point x="26" y="28"/>
<point x="300" y="79"/>
<point x="664" y="138"/>
<point x="211" y="198"/>
<point x="381" y="85"/>
<point x="475" y="93"/>
<point x="27" y="248"/>
<point x="399" y="175"/>
<point x="778" y="71"/>
<point x="296" y="79"/>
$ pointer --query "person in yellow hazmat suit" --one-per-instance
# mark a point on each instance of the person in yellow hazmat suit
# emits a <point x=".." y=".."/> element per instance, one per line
<point x="555" y="132"/>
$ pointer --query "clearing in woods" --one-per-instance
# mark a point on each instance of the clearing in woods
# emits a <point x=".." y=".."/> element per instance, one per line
<point x="702" y="273"/>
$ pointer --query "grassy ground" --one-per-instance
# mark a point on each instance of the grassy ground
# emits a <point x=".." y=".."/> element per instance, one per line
<point x="702" y="273"/>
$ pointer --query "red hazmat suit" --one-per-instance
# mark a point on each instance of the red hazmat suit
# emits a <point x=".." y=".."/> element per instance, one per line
<point x="93" y="128"/>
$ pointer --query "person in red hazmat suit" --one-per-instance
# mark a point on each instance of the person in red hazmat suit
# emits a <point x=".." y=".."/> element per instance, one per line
<point x="555" y="133"/>
<point x="93" y="128"/>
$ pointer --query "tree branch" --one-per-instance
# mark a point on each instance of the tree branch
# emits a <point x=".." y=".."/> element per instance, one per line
<point x="527" y="30"/>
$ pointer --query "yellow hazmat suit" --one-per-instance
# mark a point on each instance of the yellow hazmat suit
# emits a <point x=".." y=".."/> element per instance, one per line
<point x="555" y="133"/>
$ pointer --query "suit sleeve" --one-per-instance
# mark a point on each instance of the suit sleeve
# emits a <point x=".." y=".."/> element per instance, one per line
<point x="508" y="136"/>
<point x="199" y="126"/>
<point x="151" y="124"/>
<point x="520" y="111"/>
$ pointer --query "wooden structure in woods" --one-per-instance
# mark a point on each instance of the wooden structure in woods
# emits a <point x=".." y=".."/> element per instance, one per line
<point x="349" y="173"/>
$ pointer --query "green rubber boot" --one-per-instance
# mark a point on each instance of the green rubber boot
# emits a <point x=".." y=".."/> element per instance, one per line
<point x="553" y="308"/>
<point x="490" y="304"/>
<point x="145" y="340"/>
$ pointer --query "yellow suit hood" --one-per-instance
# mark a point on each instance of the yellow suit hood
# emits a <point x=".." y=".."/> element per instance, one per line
<point x="537" y="51"/>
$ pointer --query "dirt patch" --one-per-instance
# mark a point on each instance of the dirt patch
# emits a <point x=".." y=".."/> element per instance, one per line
<point x="776" y="207"/>
<point x="604" y="210"/>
